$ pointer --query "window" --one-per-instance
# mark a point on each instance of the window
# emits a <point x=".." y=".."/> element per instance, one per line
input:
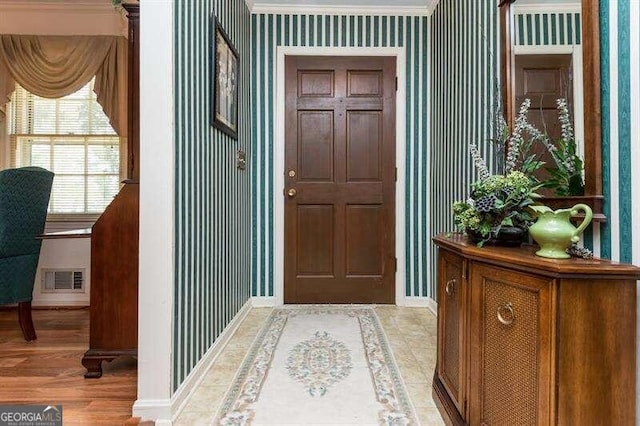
<point x="71" y="137"/>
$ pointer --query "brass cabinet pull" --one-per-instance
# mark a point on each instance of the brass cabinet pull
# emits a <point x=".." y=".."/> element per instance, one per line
<point x="450" y="286"/>
<point x="505" y="314"/>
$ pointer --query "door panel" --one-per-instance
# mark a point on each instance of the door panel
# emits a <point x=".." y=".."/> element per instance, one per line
<point x="315" y="145"/>
<point x="365" y="241"/>
<point x="340" y="180"/>
<point x="364" y="145"/>
<point x="364" y="83"/>
<point x="315" y="83"/>
<point x="315" y="240"/>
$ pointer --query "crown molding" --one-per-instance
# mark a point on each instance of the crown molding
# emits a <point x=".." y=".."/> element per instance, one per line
<point x="78" y="6"/>
<point x="546" y="8"/>
<point x="431" y="5"/>
<point x="72" y="17"/>
<point x="338" y="10"/>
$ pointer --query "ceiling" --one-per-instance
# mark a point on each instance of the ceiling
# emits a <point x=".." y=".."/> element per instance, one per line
<point x="342" y="2"/>
<point x="546" y="2"/>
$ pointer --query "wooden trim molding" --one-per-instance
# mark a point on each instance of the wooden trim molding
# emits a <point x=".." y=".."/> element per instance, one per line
<point x="592" y="116"/>
<point x="506" y="55"/>
<point x="133" y="136"/>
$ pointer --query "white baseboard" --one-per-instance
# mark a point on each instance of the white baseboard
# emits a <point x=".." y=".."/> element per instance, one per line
<point x="157" y="409"/>
<point x="422" y="302"/>
<point x="193" y="380"/>
<point x="263" y="302"/>
<point x="416" y="302"/>
<point x="433" y="306"/>
<point x="164" y="412"/>
<point x="52" y="302"/>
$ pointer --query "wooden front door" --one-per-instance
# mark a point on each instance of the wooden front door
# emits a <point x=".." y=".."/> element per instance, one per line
<point x="340" y="180"/>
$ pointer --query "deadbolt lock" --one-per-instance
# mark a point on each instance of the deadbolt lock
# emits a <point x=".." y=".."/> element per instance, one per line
<point x="292" y="173"/>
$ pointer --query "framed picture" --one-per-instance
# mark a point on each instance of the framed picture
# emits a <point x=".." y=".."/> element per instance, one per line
<point x="225" y="82"/>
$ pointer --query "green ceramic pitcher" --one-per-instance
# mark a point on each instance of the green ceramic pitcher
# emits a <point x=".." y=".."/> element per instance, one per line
<point x="554" y="232"/>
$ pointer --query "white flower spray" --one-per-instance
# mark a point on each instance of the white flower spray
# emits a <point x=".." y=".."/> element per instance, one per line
<point x="567" y="132"/>
<point x="481" y="165"/>
<point x="516" y="140"/>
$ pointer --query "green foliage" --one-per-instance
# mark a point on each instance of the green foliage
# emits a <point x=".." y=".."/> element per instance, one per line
<point x="566" y="175"/>
<point x="496" y="201"/>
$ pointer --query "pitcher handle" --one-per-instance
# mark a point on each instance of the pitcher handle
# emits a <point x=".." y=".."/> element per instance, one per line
<point x="588" y="215"/>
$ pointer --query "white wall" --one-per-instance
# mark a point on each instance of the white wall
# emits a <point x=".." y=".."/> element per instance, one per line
<point x="157" y="180"/>
<point x="67" y="253"/>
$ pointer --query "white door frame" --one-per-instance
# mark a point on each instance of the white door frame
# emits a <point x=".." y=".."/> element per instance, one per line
<point x="279" y="148"/>
<point x="578" y="96"/>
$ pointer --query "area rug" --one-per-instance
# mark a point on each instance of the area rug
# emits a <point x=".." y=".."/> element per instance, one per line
<point x="318" y="365"/>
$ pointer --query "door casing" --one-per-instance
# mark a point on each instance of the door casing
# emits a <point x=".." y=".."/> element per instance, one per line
<point x="279" y="150"/>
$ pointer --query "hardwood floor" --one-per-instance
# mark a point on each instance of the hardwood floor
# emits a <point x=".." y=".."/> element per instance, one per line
<point x="48" y="370"/>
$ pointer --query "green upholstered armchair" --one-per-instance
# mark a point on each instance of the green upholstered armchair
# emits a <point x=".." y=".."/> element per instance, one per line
<point x="24" y="197"/>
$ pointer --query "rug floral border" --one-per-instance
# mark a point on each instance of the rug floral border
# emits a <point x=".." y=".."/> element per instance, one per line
<point x="388" y="384"/>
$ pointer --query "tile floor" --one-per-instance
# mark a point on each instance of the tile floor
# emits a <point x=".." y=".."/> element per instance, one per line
<point x="412" y="336"/>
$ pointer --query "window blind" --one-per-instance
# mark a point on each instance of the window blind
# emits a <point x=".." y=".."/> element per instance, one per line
<point x="72" y="137"/>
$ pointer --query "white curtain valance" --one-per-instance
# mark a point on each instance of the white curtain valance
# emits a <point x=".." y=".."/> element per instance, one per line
<point x="56" y="66"/>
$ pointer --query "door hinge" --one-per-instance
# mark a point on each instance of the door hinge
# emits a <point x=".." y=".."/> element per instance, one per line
<point x="395" y="264"/>
<point x="396" y="174"/>
<point x="396" y="84"/>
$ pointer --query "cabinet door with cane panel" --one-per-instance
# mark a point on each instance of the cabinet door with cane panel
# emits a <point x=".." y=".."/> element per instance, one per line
<point x="511" y="347"/>
<point x="452" y="298"/>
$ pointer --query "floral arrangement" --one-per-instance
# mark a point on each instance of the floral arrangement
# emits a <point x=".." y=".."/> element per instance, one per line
<point x="501" y="200"/>
<point x="496" y="201"/>
<point x="566" y="176"/>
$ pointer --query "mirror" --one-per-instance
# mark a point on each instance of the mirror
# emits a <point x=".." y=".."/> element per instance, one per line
<point x="551" y="49"/>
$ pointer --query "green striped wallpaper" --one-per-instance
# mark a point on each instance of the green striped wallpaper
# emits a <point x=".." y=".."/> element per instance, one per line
<point x="547" y="29"/>
<point x="463" y="61"/>
<point x="212" y="198"/>
<point x="619" y="237"/>
<point x="270" y="31"/>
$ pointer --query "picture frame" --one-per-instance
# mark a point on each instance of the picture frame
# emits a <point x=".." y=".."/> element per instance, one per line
<point x="226" y="65"/>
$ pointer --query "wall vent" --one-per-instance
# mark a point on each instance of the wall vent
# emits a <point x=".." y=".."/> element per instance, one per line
<point x="63" y="281"/>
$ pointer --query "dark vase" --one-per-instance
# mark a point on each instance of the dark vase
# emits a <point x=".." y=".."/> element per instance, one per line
<point x="509" y="236"/>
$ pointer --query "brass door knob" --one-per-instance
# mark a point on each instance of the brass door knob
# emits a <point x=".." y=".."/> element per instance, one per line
<point x="292" y="193"/>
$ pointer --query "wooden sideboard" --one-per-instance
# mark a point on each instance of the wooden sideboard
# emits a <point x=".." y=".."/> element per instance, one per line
<point x="524" y="340"/>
